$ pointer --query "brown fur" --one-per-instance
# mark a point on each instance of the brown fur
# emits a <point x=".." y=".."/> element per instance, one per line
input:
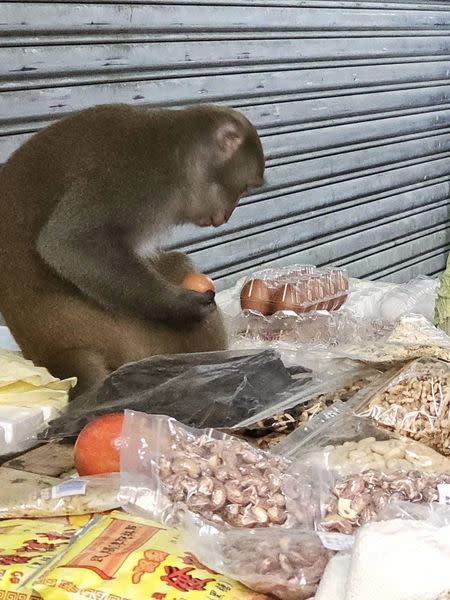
<point x="121" y="170"/>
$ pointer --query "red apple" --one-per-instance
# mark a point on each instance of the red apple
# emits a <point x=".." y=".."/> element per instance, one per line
<point x="97" y="449"/>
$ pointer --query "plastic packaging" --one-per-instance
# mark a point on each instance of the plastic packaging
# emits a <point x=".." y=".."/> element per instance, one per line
<point x="216" y="389"/>
<point x="341" y="441"/>
<point x="29" y="398"/>
<point x="77" y="496"/>
<point x="169" y="469"/>
<point x="404" y="557"/>
<point x="399" y="560"/>
<point x="348" y="502"/>
<point x="297" y="288"/>
<point x="120" y="556"/>
<point x="273" y="425"/>
<point x="25" y="547"/>
<point x="412" y="337"/>
<point x="415" y="403"/>
<point x="416" y="296"/>
<point x="316" y="329"/>
<point x="285" y="563"/>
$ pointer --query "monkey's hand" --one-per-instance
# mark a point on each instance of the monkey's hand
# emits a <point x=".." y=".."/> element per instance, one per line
<point x="188" y="306"/>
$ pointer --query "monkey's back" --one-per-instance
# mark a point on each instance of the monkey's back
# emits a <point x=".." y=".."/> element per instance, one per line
<point x="35" y="301"/>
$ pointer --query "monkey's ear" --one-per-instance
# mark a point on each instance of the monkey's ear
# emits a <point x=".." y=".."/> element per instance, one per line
<point x="229" y="138"/>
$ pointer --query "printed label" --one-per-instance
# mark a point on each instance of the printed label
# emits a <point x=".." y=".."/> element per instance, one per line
<point x="72" y="487"/>
<point x="336" y="541"/>
<point x="107" y="553"/>
<point x="444" y="493"/>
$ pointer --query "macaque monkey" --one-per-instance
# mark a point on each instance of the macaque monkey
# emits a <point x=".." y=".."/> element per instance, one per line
<point x="84" y="206"/>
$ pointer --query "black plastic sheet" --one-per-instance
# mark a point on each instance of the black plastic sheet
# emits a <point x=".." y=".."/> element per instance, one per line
<point x="215" y="389"/>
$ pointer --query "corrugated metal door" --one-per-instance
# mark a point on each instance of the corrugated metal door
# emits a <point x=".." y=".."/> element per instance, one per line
<point x="352" y="100"/>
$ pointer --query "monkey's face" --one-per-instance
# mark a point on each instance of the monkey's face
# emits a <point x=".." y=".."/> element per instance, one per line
<point x="225" y="183"/>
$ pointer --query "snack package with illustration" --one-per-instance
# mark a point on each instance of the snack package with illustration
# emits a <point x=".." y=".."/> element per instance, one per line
<point x="123" y="557"/>
<point x="26" y="546"/>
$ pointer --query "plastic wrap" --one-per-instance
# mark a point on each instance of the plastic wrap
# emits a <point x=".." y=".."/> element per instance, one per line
<point x="123" y="557"/>
<point x="404" y="557"/>
<point x="348" y="502"/>
<point x="416" y="296"/>
<point x="399" y="560"/>
<point x="285" y="563"/>
<point x="77" y="496"/>
<point x="297" y="288"/>
<point x="319" y="329"/>
<point x="169" y="469"/>
<point x="216" y="389"/>
<point x="273" y="425"/>
<point x="415" y="403"/>
<point x="342" y="441"/>
<point x="412" y="337"/>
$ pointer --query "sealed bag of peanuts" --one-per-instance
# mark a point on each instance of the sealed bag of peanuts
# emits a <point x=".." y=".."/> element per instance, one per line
<point x="123" y="557"/>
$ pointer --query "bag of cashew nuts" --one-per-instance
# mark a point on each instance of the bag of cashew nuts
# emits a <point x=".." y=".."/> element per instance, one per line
<point x="169" y="468"/>
<point x="286" y="563"/>
<point x="347" y="501"/>
<point x="414" y="403"/>
<point x="339" y="440"/>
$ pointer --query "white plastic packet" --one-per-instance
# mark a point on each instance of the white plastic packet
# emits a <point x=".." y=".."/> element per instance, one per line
<point x="76" y="496"/>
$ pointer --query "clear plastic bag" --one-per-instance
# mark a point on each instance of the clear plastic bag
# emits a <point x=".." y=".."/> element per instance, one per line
<point x="411" y="337"/>
<point x="400" y="559"/>
<point x="297" y="288"/>
<point x="286" y="563"/>
<point x="342" y="441"/>
<point x="77" y="496"/>
<point x="215" y="389"/>
<point x="271" y="426"/>
<point x="169" y="469"/>
<point x="416" y="296"/>
<point x="349" y="501"/>
<point x="415" y="403"/>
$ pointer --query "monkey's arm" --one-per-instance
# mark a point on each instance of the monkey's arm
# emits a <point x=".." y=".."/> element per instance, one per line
<point x="103" y="265"/>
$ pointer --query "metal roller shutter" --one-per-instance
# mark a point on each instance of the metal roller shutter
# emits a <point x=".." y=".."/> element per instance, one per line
<point x="352" y="100"/>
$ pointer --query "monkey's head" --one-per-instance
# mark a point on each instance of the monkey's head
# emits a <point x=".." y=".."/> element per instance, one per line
<point x="227" y="163"/>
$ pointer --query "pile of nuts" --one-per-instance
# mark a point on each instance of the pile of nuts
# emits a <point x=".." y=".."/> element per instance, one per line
<point x="289" y="566"/>
<point x="356" y="500"/>
<point x="417" y="404"/>
<point x="224" y="481"/>
<point x="386" y="455"/>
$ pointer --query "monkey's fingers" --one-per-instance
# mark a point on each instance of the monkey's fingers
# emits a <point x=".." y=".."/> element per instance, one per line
<point x="191" y="307"/>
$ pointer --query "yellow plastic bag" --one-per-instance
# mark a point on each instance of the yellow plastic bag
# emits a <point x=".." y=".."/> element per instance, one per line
<point x="25" y="547"/>
<point x="122" y="557"/>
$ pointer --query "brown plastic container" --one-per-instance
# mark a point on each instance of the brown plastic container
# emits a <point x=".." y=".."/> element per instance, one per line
<point x="300" y="289"/>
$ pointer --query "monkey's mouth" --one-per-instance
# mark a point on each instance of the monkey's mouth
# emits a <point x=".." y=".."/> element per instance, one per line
<point x="214" y="221"/>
